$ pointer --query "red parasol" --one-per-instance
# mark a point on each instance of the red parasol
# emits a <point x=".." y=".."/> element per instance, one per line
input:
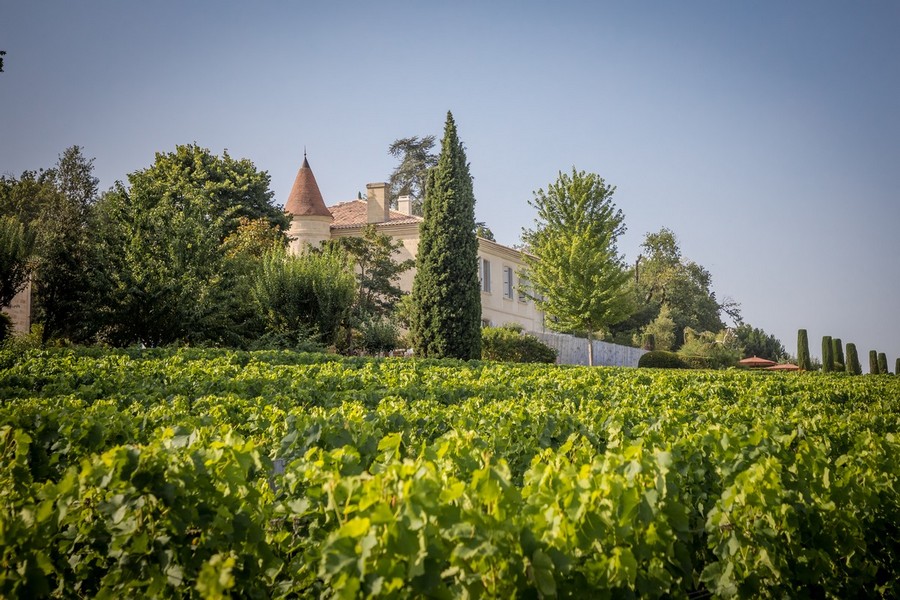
<point x="756" y="362"/>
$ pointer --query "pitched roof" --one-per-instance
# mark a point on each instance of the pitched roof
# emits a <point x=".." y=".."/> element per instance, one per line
<point x="356" y="213"/>
<point x="306" y="199"/>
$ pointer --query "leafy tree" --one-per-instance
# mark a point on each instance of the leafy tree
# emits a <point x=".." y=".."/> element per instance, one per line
<point x="756" y="342"/>
<point x="410" y="176"/>
<point x="853" y="366"/>
<point x="827" y="354"/>
<point x="718" y="351"/>
<point x="446" y="298"/>
<point x="16" y="246"/>
<point x="55" y="205"/>
<point x="483" y="231"/>
<point x="803" y="359"/>
<point x="307" y="295"/>
<point x="162" y="272"/>
<point x="664" y="277"/>
<point x="577" y="275"/>
<point x="662" y="328"/>
<point x="378" y="274"/>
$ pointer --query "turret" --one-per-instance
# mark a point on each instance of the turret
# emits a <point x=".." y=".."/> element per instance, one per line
<point x="310" y="219"/>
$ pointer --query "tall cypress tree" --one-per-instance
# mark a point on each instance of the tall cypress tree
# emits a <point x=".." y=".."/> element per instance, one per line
<point x="827" y="354"/>
<point x="853" y="366"/>
<point x="838" y="352"/>
<point x="803" y="360"/>
<point x="446" y="296"/>
<point x="882" y="364"/>
<point x="873" y="362"/>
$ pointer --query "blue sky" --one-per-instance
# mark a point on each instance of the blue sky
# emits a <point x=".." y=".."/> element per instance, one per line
<point x="765" y="134"/>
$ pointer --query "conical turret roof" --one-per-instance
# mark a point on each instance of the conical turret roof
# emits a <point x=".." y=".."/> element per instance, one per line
<point x="306" y="199"/>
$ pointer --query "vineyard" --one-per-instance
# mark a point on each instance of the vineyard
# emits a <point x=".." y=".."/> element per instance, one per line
<point x="216" y="473"/>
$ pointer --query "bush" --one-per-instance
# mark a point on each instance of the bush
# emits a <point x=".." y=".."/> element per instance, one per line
<point x="837" y="348"/>
<point x="803" y="360"/>
<point x="379" y="335"/>
<point x="882" y="364"/>
<point x="853" y="366"/>
<point x="5" y="326"/>
<point x="509" y="344"/>
<point x="827" y="354"/>
<point x="660" y="359"/>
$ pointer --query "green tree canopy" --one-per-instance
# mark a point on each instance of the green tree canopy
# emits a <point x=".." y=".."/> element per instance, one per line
<point x="756" y="342"/>
<point x="410" y="175"/>
<point x="577" y="275"/>
<point x="309" y="295"/>
<point x="664" y="277"/>
<point x="161" y="248"/>
<point x="378" y="274"/>
<point x="55" y="206"/>
<point x="16" y="245"/>
<point x="446" y="298"/>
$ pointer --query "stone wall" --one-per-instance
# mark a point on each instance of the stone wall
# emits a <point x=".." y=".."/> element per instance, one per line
<point x="19" y="310"/>
<point x="573" y="351"/>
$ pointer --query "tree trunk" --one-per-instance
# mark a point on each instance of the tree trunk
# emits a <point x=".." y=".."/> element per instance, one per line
<point x="590" y="348"/>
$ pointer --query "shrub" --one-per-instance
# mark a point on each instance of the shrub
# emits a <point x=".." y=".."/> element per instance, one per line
<point x="853" y="366"/>
<point x="509" y="344"/>
<point x="803" y="360"/>
<point x="827" y="354"/>
<point x="897" y="367"/>
<point x="649" y="342"/>
<point x="882" y="364"/>
<point x="873" y="362"/>
<point x="5" y="326"/>
<point x="838" y="353"/>
<point x="661" y="359"/>
<point x="379" y="335"/>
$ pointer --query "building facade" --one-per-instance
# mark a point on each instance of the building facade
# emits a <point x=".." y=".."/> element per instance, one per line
<point x="503" y="300"/>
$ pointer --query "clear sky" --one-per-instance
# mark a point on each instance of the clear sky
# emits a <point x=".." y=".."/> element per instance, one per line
<point x="765" y="134"/>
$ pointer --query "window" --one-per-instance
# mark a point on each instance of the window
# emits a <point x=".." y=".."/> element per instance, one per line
<point x="484" y="274"/>
<point x="485" y="322"/>
<point x="507" y="282"/>
<point x="523" y="289"/>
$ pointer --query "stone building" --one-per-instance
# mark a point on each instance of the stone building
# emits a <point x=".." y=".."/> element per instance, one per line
<point x="312" y="222"/>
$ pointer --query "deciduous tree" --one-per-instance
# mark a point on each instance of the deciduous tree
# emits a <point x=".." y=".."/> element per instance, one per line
<point x="577" y="275"/>
<point x="410" y="176"/>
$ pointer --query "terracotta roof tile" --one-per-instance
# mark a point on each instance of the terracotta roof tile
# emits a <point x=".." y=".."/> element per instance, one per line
<point x="356" y="213"/>
<point x="306" y="199"/>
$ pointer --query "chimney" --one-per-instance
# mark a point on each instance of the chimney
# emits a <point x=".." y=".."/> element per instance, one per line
<point x="377" y="199"/>
<point x="404" y="205"/>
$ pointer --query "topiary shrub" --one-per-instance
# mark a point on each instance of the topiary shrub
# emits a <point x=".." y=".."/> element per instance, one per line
<point x="827" y="355"/>
<point x="803" y="360"/>
<point x="660" y="359"/>
<point x="873" y="362"/>
<point x="882" y="364"/>
<point x="509" y="344"/>
<point x="837" y="350"/>
<point x="853" y="366"/>
<point x="897" y="367"/>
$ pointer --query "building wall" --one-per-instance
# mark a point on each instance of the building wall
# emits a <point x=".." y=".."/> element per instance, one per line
<point x="19" y="310"/>
<point x="572" y="350"/>
<point x="497" y="307"/>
